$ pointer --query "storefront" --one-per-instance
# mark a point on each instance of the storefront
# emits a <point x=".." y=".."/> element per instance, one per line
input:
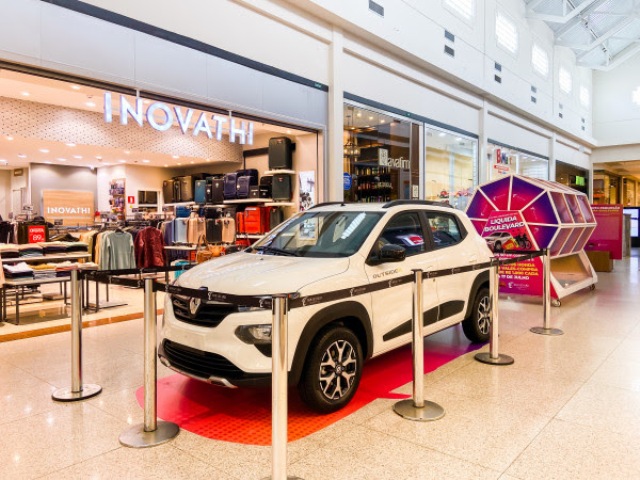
<point x="505" y="159"/>
<point x="383" y="160"/>
<point x="451" y="166"/>
<point x="70" y="149"/>
<point x="572" y="176"/>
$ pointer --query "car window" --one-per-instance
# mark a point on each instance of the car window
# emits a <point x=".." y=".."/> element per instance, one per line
<point x="319" y="234"/>
<point x="404" y="230"/>
<point x="445" y="229"/>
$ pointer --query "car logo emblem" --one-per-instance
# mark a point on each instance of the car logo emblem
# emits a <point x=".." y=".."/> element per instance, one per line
<point x="194" y="305"/>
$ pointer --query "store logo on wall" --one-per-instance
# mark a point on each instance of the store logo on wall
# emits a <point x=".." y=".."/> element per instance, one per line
<point x="385" y="161"/>
<point x="210" y="124"/>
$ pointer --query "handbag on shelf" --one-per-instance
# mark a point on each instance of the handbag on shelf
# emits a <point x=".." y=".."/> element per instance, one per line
<point x="205" y="251"/>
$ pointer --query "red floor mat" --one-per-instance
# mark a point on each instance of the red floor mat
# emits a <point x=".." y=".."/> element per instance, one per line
<point x="244" y="415"/>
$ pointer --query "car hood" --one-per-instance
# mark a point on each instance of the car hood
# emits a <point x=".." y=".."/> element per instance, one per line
<point x="250" y="274"/>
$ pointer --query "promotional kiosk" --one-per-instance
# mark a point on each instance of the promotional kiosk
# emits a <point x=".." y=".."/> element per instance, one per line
<point x="524" y="214"/>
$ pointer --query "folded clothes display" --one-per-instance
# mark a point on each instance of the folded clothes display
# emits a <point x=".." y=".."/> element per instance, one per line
<point x="18" y="271"/>
<point x="54" y="248"/>
<point x="9" y="250"/>
<point x="44" y="270"/>
<point x="30" y="250"/>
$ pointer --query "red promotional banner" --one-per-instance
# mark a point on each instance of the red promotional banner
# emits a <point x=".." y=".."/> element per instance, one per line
<point x="36" y="234"/>
<point x="505" y="231"/>
<point x="607" y="235"/>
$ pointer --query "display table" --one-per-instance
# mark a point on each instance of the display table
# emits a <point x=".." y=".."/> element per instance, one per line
<point x="18" y="286"/>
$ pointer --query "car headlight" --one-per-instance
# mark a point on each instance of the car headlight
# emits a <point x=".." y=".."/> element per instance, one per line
<point x="254" y="334"/>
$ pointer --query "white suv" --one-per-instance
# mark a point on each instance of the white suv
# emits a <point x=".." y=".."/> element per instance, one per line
<point x="328" y="248"/>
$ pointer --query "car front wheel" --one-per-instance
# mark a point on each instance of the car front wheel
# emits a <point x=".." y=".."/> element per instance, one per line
<point x="332" y="371"/>
<point x="477" y="325"/>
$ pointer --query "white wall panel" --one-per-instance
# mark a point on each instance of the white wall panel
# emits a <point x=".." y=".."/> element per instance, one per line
<point x="172" y="67"/>
<point x="616" y="116"/>
<point x="402" y="93"/>
<point x="232" y="26"/>
<point x="509" y="133"/>
<point x="88" y="44"/>
<point x="572" y="154"/>
<point x="20" y="27"/>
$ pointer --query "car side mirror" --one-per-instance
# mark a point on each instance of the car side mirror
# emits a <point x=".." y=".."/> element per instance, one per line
<point x="389" y="253"/>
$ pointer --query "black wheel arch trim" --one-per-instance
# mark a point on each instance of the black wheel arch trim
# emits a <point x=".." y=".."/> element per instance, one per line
<point x="482" y="279"/>
<point x="324" y="317"/>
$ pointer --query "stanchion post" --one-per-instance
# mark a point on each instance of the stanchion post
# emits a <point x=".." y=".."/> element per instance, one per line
<point x="279" y="400"/>
<point x="546" y="299"/>
<point x="493" y="357"/>
<point x="151" y="432"/>
<point x="417" y="408"/>
<point x="78" y="390"/>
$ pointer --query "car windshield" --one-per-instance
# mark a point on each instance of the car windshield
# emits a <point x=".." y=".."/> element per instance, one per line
<point x="319" y="234"/>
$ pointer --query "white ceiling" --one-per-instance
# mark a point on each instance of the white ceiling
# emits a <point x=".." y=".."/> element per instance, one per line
<point x="17" y="152"/>
<point x="602" y="33"/>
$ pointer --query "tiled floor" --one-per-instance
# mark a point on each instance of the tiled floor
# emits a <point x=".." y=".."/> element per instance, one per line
<point x="569" y="408"/>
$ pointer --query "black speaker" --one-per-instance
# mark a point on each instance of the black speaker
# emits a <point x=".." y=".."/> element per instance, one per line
<point x="168" y="191"/>
<point x="281" y="187"/>
<point x="280" y="153"/>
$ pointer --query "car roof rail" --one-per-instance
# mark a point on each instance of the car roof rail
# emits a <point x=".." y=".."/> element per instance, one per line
<point x="394" y="203"/>
<point x="325" y="204"/>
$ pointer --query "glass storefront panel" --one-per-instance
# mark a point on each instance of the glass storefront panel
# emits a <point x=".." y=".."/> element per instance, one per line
<point x="380" y="156"/>
<point x="505" y="161"/>
<point x="450" y="167"/>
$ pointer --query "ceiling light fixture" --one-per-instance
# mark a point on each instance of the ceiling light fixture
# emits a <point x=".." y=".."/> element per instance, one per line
<point x="145" y="161"/>
<point x="9" y="138"/>
<point x="90" y="104"/>
<point x="77" y="157"/>
<point x="127" y="152"/>
<point x="44" y="150"/>
<point x="179" y="163"/>
<point x="25" y="94"/>
<point x="70" y="144"/>
<point x="122" y="161"/>
<point x="61" y="159"/>
<point x="22" y="155"/>
<point x="176" y="156"/>
<point x="76" y="87"/>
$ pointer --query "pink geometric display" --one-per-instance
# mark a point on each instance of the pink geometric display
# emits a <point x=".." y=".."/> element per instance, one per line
<point x="558" y="217"/>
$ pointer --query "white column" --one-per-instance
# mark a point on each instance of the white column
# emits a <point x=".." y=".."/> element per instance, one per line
<point x="333" y="181"/>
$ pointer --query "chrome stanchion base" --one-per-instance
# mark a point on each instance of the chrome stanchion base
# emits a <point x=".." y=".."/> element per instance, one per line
<point x="485" y="357"/>
<point x="136" y="437"/>
<point x="407" y="409"/>
<point x="68" y="395"/>
<point x="546" y="331"/>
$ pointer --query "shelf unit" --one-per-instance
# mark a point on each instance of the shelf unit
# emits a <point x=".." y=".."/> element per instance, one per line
<point x="372" y="182"/>
<point x="117" y="200"/>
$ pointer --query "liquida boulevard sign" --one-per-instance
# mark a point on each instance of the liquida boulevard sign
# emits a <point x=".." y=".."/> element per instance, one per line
<point x="162" y="117"/>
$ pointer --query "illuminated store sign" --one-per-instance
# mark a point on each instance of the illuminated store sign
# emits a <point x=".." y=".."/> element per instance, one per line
<point x="212" y="125"/>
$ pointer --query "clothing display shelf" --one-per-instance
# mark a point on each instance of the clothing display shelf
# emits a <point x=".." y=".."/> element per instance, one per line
<point x="31" y="282"/>
<point x="48" y="258"/>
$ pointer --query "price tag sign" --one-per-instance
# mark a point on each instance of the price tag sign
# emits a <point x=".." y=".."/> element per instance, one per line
<point x="36" y="234"/>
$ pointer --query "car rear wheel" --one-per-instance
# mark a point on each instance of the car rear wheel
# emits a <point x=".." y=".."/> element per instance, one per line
<point x="332" y="371"/>
<point x="477" y="325"/>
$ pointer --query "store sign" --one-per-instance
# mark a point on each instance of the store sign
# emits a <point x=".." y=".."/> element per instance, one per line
<point x="71" y="206"/>
<point x="385" y="161"/>
<point x="162" y="117"/>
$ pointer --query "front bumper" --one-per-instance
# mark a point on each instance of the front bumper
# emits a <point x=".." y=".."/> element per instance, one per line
<point x="208" y="367"/>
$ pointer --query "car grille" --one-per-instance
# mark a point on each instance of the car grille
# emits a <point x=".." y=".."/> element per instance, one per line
<point x="198" y="363"/>
<point x="208" y="315"/>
